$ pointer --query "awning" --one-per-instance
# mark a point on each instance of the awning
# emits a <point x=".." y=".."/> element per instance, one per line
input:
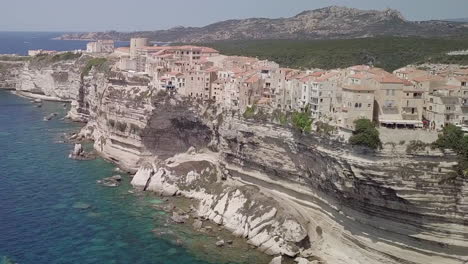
<point x="401" y="122"/>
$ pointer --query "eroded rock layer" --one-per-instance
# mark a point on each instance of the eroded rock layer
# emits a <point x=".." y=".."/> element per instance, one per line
<point x="285" y="192"/>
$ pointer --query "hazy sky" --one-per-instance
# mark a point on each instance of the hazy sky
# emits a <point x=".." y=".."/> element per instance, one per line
<point x="130" y="15"/>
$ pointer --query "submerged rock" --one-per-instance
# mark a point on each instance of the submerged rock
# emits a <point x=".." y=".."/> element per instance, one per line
<point x="113" y="181"/>
<point x="50" y="117"/>
<point x="81" y="205"/>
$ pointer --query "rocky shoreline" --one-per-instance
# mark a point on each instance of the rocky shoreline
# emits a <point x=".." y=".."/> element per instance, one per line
<point x="303" y="196"/>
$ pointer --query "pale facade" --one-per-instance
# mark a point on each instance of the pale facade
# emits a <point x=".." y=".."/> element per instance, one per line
<point x="357" y="103"/>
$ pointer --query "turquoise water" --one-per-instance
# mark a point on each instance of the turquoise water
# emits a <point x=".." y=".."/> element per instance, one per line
<point x="52" y="210"/>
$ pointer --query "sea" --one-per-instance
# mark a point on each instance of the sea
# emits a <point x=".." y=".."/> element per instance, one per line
<point x="52" y="211"/>
<point x="20" y="42"/>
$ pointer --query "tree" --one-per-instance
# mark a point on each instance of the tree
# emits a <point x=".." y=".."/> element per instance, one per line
<point x="302" y="121"/>
<point x="365" y="134"/>
<point x="451" y="138"/>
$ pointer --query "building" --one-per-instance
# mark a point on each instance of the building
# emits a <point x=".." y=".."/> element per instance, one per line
<point x="357" y="103"/>
<point x="100" y="46"/>
<point x="442" y="108"/>
<point x="40" y="52"/>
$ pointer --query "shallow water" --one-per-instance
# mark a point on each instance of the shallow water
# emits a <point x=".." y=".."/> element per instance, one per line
<point x="52" y="210"/>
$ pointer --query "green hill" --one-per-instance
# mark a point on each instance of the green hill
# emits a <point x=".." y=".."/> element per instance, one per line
<point x="389" y="53"/>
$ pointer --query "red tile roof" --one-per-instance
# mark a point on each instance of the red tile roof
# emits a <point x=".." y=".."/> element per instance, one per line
<point x="253" y="79"/>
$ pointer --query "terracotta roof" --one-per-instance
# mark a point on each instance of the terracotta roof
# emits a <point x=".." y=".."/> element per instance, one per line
<point x="317" y="73"/>
<point x="361" y="76"/>
<point x="308" y="78"/>
<point x="253" y="79"/>
<point x="327" y="76"/>
<point x="407" y="83"/>
<point x="213" y="69"/>
<point x="388" y="78"/>
<point x="461" y="78"/>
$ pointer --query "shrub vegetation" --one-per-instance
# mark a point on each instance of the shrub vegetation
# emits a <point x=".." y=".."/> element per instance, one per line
<point x="453" y="138"/>
<point x="366" y="135"/>
<point x="389" y="53"/>
<point x="99" y="63"/>
<point x="302" y="121"/>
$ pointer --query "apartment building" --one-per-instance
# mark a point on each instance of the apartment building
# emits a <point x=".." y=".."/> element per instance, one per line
<point x="442" y="108"/>
<point x="357" y="103"/>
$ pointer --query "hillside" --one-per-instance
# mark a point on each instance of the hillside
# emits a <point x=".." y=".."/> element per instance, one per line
<point x="389" y="53"/>
<point x="332" y="22"/>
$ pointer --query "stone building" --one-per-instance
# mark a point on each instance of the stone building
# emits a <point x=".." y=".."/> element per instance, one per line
<point x="100" y="46"/>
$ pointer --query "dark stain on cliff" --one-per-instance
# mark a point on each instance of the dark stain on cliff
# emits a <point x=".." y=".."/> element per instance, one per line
<point x="173" y="128"/>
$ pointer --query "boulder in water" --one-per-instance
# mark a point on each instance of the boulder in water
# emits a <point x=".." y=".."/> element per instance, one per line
<point x="78" y="153"/>
<point x="113" y="181"/>
<point x="179" y="218"/>
<point x="49" y="117"/>
<point x="220" y="243"/>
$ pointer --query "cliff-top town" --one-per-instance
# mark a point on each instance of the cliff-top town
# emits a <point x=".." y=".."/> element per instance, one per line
<point x="410" y="97"/>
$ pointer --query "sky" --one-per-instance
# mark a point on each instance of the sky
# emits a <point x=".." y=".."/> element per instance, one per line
<point x="134" y="15"/>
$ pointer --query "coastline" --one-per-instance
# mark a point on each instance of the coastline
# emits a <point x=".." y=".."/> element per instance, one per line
<point x="39" y="96"/>
<point x="201" y="241"/>
<point x="228" y="163"/>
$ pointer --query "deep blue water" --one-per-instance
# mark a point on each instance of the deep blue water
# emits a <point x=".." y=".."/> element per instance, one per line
<point x="21" y="42"/>
<point x="40" y="190"/>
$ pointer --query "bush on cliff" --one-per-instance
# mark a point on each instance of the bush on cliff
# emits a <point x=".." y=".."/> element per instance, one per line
<point x="365" y="134"/>
<point x="65" y="56"/>
<point x="250" y="112"/>
<point x="302" y="121"/>
<point x="453" y="138"/>
<point x="99" y="63"/>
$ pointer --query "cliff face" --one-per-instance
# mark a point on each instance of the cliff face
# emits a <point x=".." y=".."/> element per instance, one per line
<point x="325" y="23"/>
<point x="284" y="192"/>
<point x="60" y="79"/>
<point x="312" y="196"/>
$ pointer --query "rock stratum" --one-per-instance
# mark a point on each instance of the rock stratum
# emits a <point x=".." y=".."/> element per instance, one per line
<point x="332" y="22"/>
<point x="286" y="193"/>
